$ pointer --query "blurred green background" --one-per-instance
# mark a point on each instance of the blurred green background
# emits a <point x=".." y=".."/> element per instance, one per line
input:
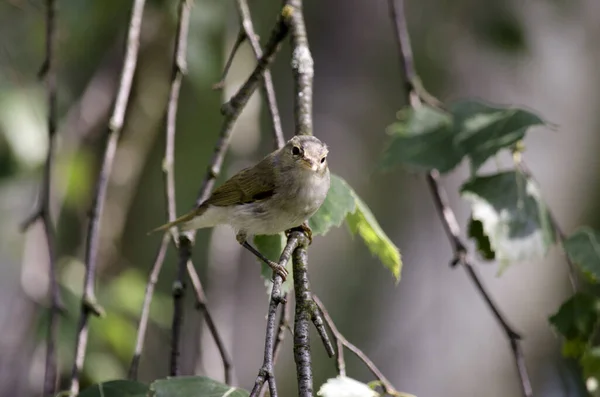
<point x="432" y="334"/>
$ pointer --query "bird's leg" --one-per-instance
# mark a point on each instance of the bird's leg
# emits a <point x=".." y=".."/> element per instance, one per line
<point x="277" y="268"/>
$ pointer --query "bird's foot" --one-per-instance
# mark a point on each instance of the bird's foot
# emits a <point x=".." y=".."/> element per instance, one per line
<point x="308" y="231"/>
<point x="279" y="269"/>
<point x="304" y="228"/>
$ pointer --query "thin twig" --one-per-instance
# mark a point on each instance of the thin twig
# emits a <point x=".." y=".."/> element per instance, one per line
<point x="268" y="89"/>
<point x="42" y="211"/>
<point x="341" y="341"/>
<point x="231" y="111"/>
<point x="145" y="316"/>
<point x="284" y="320"/>
<point x="88" y="301"/>
<point x="238" y="42"/>
<point x="266" y="372"/>
<point x="461" y="257"/>
<point x="178" y="70"/>
<point x="178" y="294"/>
<point x="415" y="95"/>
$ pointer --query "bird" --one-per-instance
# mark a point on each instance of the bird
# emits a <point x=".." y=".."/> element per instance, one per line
<point x="280" y="192"/>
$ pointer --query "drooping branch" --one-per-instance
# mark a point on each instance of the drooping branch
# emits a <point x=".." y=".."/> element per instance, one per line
<point x="450" y="224"/>
<point x="145" y="316"/>
<point x="231" y="111"/>
<point x="42" y="211"/>
<point x="89" y="304"/>
<point x="342" y="342"/>
<point x="415" y="95"/>
<point x="268" y="89"/>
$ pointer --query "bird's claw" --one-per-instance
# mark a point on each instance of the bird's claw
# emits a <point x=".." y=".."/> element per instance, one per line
<point x="304" y="228"/>
<point x="279" y="269"/>
<point x="308" y="231"/>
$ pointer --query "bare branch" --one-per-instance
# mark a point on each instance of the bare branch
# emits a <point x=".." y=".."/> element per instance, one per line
<point x="178" y="70"/>
<point x="145" y="316"/>
<point x="302" y="354"/>
<point x="266" y="372"/>
<point x="415" y="95"/>
<point x="88" y="301"/>
<point x="284" y="325"/>
<point x="178" y="294"/>
<point x="341" y="341"/>
<point x="236" y="46"/>
<point x="42" y="211"/>
<point x="461" y="257"/>
<point x="268" y="89"/>
<point x="231" y="111"/>
<point x="303" y="72"/>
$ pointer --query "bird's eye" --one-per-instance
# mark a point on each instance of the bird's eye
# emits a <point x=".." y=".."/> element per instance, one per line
<point x="295" y="150"/>
<point x="323" y="159"/>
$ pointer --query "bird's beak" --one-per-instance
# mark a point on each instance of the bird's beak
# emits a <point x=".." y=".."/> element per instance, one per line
<point x="310" y="164"/>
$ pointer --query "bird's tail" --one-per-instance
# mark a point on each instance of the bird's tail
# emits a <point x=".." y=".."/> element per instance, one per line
<point x="182" y="219"/>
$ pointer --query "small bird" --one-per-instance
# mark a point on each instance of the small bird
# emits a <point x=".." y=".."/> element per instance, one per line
<point x="280" y="192"/>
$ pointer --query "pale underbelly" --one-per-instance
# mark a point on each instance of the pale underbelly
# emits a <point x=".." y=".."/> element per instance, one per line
<point x="253" y="219"/>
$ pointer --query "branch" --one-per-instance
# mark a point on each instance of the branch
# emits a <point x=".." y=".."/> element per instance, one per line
<point x="185" y="248"/>
<point x="231" y="111"/>
<point x="42" y="212"/>
<point x="303" y="72"/>
<point x="266" y="372"/>
<point x="461" y="257"/>
<point x="145" y="316"/>
<point x="268" y="89"/>
<point x="342" y="342"/>
<point x="415" y="95"/>
<point x="88" y="301"/>
<point x="283" y="326"/>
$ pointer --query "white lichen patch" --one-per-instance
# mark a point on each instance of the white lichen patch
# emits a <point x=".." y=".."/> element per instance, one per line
<point x="302" y="60"/>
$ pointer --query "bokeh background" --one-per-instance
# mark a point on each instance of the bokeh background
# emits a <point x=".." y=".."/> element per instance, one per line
<point x="432" y="334"/>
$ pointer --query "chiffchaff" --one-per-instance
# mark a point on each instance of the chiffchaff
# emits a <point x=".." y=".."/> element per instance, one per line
<point x="280" y="192"/>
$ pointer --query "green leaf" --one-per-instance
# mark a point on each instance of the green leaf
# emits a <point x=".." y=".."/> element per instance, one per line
<point x="424" y="139"/>
<point x="116" y="388"/>
<point x="194" y="386"/>
<point x="485" y="129"/>
<point x="513" y="215"/>
<point x="363" y="223"/>
<point x="590" y="362"/>
<point x="482" y="241"/>
<point x="342" y="203"/>
<point x="583" y="249"/>
<point x="431" y="139"/>
<point x="342" y="386"/>
<point x="272" y="247"/>
<point x="338" y="203"/>
<point x="577" y="317"/>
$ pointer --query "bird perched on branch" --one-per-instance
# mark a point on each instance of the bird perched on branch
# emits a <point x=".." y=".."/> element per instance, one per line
<point x="280" y="192"/>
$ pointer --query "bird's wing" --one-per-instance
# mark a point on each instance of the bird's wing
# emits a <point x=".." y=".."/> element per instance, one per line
<point x="247" y="186"/>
